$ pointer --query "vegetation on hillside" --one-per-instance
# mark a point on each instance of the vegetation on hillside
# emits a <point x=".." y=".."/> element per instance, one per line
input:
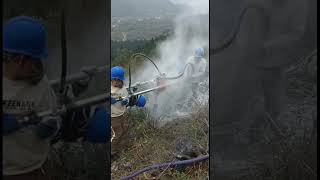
<point x="122" y="51"/>
<point x="148" y="145"/>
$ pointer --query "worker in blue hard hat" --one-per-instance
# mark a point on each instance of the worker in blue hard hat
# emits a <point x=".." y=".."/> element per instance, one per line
<point x="26" y="89"/>
<point x="119" y="118"/>
<point x="196" y="69"/>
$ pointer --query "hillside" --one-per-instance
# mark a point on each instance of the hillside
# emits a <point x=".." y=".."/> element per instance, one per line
<point x="122" y="51"/>
<point x="142" y="8"/>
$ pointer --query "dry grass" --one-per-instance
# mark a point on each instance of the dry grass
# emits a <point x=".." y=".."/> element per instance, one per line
<point x="77" y="161"/>
<point x="294" y="155"/>
<point x="149" y="145"/>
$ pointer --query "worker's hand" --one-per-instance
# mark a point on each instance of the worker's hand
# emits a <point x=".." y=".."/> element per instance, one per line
<point x="125" y="102"/>
<point x="132" y="101"/>
<point x="10" y="124"/>
<point x="113" y="100"/>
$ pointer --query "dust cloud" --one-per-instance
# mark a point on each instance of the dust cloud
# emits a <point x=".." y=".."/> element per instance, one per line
<point x="191" y="30"/>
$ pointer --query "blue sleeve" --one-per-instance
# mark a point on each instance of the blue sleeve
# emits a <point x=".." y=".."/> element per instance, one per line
<point x="99" y="127"/>
<point x="9" y="124"/>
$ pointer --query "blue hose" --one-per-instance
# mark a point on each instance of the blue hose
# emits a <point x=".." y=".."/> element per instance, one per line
<point x="171" y="165"/>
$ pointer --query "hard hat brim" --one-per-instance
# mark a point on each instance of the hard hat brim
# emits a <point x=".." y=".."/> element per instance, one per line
<point x="122" y="79"/>
<point x="42" y="55"/>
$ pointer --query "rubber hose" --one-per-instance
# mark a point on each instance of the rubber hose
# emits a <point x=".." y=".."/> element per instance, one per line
<point x="130" y="62"/>
<point x="180" y="75"/>
<point x="63" y="58"/>
<point x="228" y="41"/>
<point x="166" y="165"/>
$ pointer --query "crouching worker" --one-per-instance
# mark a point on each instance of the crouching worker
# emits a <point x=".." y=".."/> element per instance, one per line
<point x="26" y="89"/>
<point x="119" y="118"/>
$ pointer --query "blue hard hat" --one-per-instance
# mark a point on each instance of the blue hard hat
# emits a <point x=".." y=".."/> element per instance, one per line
<point x="117" y="72"/>
<point x="26" y="36"/>
<point x="199" y="52"/>
<point x="99" y="130"/>
<point x="141" y="102"/>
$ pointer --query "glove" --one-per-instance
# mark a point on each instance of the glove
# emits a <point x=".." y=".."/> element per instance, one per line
<point x="124" y="102"/>
<point x="141" y="102"/>
<point x="113" y="100"/>
<point x="9" y="124"/>
<point x="99" y="127"/>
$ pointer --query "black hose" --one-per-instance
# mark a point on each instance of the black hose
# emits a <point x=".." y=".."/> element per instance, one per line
<point x="171" y="165"/>
<point x="228" y="41"/>
<point x="130" y="62"/>
<point x="63" y="57"/>
<point x="160" y="73"/>
<point x="180" y="75"/>
<point x="143" y="55"/>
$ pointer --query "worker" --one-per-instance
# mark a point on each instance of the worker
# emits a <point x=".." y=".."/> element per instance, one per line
<point x="119" y="118"/>
<point x="195" y="70"/>
<point x="26" y="89"/>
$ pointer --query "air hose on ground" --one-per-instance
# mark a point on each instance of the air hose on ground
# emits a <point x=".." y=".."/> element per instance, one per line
<point x="167" y="165"/>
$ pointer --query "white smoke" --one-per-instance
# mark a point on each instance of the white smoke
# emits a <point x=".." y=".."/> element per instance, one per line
<point x="191" y="31"/>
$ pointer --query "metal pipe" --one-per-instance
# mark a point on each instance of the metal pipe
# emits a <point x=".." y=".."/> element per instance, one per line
<point x="146" y="91"/>
<point x="94" y="70"/>
<point x="70" y="107"/>
<point x="80" y="76"/>
<point x="101" y="98"/>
